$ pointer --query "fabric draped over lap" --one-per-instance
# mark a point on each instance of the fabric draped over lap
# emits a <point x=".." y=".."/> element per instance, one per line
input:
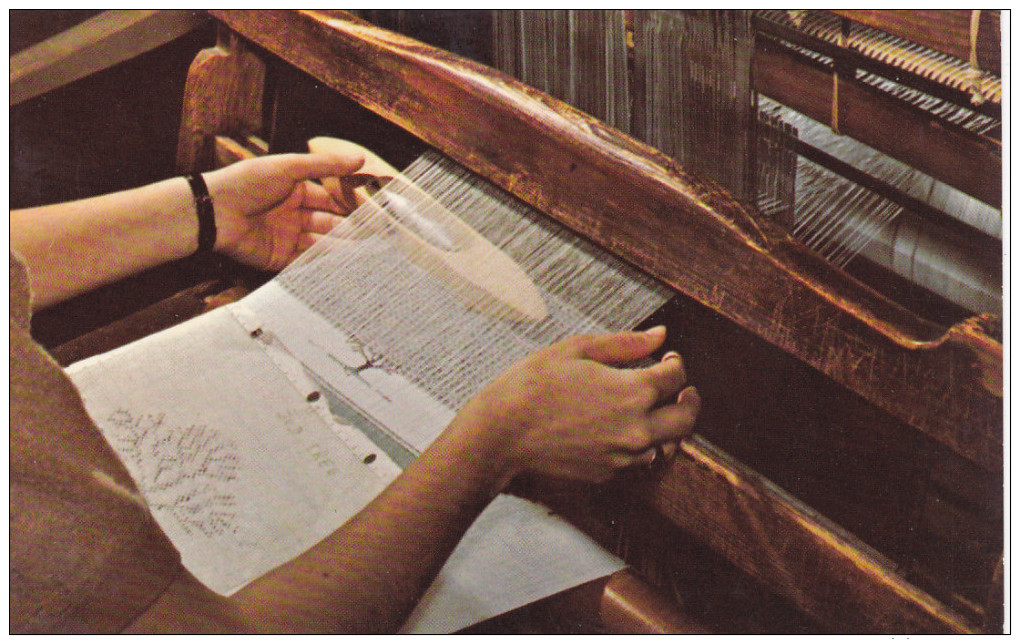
<point x="86" y="556"/>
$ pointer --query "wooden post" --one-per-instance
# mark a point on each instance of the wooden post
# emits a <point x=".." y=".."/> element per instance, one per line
<point x="223" y="96"/>
<point x="685" y="231"/>
<point x="693" y="236"/>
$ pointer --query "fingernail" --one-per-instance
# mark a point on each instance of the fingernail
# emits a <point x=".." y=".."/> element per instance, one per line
<point x="656" y="331"/>
<point x="671" y="355"/>
<point x="668" y="450"/>
<point x="690" y="394"/>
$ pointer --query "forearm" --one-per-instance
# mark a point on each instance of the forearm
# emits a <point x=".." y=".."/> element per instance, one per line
<point x="266" y="212"/>
<point x="561" y="412"/>
<point x="74" y="247"/>
<point x="368" y="575"/>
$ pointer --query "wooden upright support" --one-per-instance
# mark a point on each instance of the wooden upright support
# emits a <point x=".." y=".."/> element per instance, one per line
<point x="223" y="96"/>
<point x="645" y="208"/>
<point x="689" y="233"/>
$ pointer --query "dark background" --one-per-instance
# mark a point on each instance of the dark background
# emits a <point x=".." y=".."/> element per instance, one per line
<point x="114" y="130"/>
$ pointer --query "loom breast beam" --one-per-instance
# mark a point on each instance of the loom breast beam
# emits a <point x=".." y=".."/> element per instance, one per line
<point x="874" y="589"/>
<point x="484" y="277"/>
<point x="648" y="210"/>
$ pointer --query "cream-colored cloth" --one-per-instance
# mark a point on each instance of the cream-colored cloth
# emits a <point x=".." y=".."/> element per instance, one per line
<point x="86" y="556"/>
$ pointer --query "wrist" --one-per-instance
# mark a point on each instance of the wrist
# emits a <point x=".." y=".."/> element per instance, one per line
<point x="225" y="193"/>
<point x="479" y="436"/>
<point x="167" y="218"/>
<point x="204" y="213"/>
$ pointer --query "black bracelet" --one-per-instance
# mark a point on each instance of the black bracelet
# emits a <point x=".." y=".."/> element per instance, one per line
<point x="204" y="210"/>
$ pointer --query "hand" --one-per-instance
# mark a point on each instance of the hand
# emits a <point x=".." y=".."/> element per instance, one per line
<point x="267" y="210"/>
<point x="567" y="412"/>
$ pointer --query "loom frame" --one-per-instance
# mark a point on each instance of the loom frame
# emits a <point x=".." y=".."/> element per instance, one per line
<point x="826" y="319"/>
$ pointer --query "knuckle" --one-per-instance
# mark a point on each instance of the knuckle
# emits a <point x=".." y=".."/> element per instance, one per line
<point x="649" y="394"/>
<point x="643" y="396"/>
<point x="636" y="437"/>
<point x="671" y="375"/>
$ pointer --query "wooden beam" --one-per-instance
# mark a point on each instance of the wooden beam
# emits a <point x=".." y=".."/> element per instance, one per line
<point x="854" y="56"/>
<point x="945" y="30"/>
<point x="645" y="208"/>
<point x="629" y="606"/>
<point x="835" y="578"/>
<point x="831" y="575"/>
<point x="964" y="160"/>
<point x="96" y="44"/>
<point x="623" y="603"/>
<point x="826" y="572"/>
<point x="226" y="151"/>
<point x="161" y="315"/>
<point x="222" y="97"/>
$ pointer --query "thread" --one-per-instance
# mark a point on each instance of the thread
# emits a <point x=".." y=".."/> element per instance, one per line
<point x="841" y="220"/>
<point x="776" y="166"/>
<point x="694" y="101"/>
<point x="361" y="279"/>
<point x="952" y="72"/>
<point x="699" y="102"/>
<point x="578" y="56"/>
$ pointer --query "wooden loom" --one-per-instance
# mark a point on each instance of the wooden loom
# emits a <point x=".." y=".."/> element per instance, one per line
<point x="925" y="387"/>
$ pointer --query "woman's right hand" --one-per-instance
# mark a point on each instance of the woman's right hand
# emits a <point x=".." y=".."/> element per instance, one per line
<point x="567" y="411"/>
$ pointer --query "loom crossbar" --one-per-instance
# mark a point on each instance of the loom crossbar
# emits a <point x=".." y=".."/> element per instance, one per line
<point x="645" y="208"/>
<point x="692" y="235"/>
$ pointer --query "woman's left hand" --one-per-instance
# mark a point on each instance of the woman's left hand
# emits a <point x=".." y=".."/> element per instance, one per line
<point x="268" y="210"/>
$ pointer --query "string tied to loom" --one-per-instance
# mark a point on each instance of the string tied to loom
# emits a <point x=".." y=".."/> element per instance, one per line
<point x="840" y="67"/>
<point x="977" y="94"/>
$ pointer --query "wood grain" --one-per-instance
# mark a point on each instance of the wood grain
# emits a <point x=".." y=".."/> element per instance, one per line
<point x="825" y="571"/>
<point x="643" y="207"/>
<point x="629" y="606"/>
<point x="540" y="149"/>
<point x="223" y="96"/>
<point x="945" y="30"/>
<point x="96" y="44"/>
<point x="154" y="318"/>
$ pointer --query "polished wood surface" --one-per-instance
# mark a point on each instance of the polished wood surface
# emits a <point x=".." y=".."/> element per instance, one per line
<point x="98" y="43"/>
<point x="159" y="316"/>
<point x="968" y="161"/>
<point x="628" y="605"/>
<point x="828" y="566"/>
<point x="622" y="602"/>
<point x="827" y="572"/>
<point x="223" y="96"/>
<point x="946" y="383"/>
<point x="648" y="210"/>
